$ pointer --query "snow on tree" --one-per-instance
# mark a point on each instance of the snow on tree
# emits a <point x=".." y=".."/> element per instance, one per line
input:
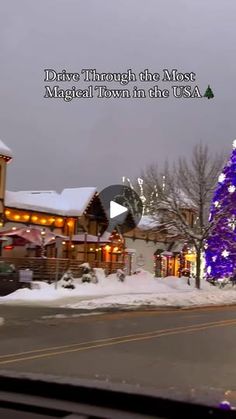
<point x="120" y="273"/>
<point x="220" y="247"/>
<point x="67" y="280"/>
<point x="88" y="273"/>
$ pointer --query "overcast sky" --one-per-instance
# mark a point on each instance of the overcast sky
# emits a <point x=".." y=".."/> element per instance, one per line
<point x="95" y="142"/>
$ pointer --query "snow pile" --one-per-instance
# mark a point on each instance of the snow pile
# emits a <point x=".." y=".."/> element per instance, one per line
<point x="43" y="292"/>
<point x="141" y="289"/>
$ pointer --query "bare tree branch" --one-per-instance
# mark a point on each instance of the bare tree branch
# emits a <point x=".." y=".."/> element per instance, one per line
<point x="187" y="187"/>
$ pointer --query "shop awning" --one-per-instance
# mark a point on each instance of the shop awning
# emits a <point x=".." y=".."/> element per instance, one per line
<point x="34" y="235"/>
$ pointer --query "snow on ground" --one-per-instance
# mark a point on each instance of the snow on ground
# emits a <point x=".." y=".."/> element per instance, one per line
<point x="141" y="289"/>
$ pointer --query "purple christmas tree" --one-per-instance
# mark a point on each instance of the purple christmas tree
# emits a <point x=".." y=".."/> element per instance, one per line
<point x="220" y="247"/>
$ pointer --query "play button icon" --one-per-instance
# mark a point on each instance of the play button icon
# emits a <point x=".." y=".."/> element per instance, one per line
<point x="116" y="209"/>
<point x="123" y="207"/>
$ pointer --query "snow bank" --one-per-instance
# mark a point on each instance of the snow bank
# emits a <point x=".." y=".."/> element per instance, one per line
<point x="138" y="290"/>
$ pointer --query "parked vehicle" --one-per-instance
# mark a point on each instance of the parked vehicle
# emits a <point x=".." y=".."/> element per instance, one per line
<point x="9" y="279"/>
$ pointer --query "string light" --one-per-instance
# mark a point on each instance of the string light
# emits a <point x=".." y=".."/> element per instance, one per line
<point x="209" y="270"/>
<point x="232" y="222"/>
<point x="225" y="253"/>
<point x="220" y="254"/>
<point x="6" y="158"/>
<point x="231" y="188"/>
<point x="221" y="178"/>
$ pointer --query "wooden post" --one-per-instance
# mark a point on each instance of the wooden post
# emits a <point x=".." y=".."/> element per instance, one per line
<point x="111" y="254"/>
<point x="98" y="256"/>
<point x="85" y="247"/>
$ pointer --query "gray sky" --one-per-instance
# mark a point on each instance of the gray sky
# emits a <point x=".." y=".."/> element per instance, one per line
<point x="95" y="142"/>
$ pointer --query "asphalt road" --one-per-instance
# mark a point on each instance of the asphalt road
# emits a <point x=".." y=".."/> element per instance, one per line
<point x="181" y="349"/>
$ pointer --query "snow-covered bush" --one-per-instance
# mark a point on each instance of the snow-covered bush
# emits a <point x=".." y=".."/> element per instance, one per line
<point x="88" y="274"/>
<point x="67" y="280"/>
<point x="120" y="275"/>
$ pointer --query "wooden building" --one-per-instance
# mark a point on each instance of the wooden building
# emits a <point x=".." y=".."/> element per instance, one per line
<point x="153" y="249"/>
<point x="77" y="215"/>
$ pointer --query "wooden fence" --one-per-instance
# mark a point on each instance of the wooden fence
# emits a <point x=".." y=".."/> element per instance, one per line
<point x="45" y="269"/>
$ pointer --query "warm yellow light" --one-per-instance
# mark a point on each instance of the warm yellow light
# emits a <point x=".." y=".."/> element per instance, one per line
<point x="70" y="223"/>
<point x="91" y="249"/>
<point x="17" y="217"/>
<point x="28" y="230"/>
<point x="107" y="247"/>
<point x="1" y="223"/>
<point x="116" y="249"/>
<point x="63" y="242"/>
<point x="191" y="257"/>
<point x="43" y="221"/>
<point x="59" y="222"/>
<point x="13" y="228"/>
<point x="51" y="220"/>
<point x="34" y="218"/>
<point x="72" y="246"/>
<point x="7" y="212"/>
<point x="26" y="217"/>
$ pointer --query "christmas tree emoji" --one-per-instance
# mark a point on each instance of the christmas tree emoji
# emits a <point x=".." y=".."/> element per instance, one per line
<point x="209" y="93"/>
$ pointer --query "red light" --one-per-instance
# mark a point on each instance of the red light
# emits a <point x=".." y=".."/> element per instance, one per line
<point x="8" y="247"/>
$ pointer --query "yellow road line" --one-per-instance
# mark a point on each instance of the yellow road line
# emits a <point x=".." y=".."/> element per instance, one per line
<point x="178" y="328"/>
<point x="120" y="340"/>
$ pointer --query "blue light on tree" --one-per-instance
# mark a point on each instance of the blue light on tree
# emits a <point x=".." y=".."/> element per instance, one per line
<point x="220" y="248"/>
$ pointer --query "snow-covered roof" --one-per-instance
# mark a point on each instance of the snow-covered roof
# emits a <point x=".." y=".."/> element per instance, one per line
<point x="4" y="150"/>
<point x="148" y="222"/>
<point x="70" y="202"/>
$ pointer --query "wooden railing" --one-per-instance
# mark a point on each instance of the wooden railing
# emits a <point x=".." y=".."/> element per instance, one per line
<point x="45" y="269"/>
